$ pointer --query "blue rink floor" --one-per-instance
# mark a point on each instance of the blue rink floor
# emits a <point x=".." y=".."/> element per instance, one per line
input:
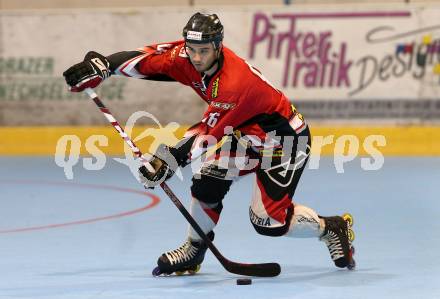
<point x="82" y="238"/>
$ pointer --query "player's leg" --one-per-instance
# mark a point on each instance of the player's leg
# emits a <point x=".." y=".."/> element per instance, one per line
<point x="272" y="210"/>
<point x="210" y="185"/>
<point x="273" y="213"/>
<point x="208" y="189"/>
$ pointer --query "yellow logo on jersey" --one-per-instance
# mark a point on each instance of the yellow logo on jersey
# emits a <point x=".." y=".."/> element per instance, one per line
<point x="295" y="112"/>
<point x="214" y="91"/>
<point x="278" y="152"/>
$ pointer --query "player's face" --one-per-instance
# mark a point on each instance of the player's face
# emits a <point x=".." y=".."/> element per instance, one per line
<point x="201" y="55"/>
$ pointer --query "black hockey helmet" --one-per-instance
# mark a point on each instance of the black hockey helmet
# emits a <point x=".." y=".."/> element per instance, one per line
<point x="203" y="28"/>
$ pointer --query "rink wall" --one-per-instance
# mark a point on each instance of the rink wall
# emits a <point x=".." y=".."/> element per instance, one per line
<point x="355" y="70"/>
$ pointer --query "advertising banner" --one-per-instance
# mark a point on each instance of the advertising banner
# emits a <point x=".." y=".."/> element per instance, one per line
<point x="368" y="65"/>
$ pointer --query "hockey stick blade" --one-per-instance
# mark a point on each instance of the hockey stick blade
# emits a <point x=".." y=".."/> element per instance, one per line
<point x="260" y="270"/>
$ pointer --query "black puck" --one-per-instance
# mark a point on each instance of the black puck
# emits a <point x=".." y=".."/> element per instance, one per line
<point x="244" y="281"/>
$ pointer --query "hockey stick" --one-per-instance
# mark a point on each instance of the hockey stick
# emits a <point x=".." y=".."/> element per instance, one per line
<point x="262" y="270"/>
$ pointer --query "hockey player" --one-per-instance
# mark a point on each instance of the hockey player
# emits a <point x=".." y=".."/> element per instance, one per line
<point x="249" y="119"/>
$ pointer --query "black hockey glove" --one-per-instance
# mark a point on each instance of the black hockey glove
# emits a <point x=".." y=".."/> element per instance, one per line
<point x="89" y="73"/>
<point x="164" y="165"/>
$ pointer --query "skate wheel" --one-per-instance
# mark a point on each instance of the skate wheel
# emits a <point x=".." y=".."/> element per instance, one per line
<point x="347" y="217"/>
<point x="352" y="265"/>
<point x="195" y="270"/>
<point x="156" y="272"/>
<point x="351" y="235"/>
<point x="179" y="273"/>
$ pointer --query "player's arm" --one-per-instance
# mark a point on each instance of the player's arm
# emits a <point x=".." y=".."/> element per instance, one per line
<point x="128" y="64"/>
<point x="207" y="135"/>
<point x="96" y="67"/>
<point x="198" y="140"/>
<point x="167" y="158"/>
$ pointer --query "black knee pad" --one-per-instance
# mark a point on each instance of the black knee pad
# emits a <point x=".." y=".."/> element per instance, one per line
<point x="262" y="226"/>
<point x="208" y="189"/>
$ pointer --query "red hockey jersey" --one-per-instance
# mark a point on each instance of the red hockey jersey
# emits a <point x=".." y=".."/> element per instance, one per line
<point x="237" y="94"/>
